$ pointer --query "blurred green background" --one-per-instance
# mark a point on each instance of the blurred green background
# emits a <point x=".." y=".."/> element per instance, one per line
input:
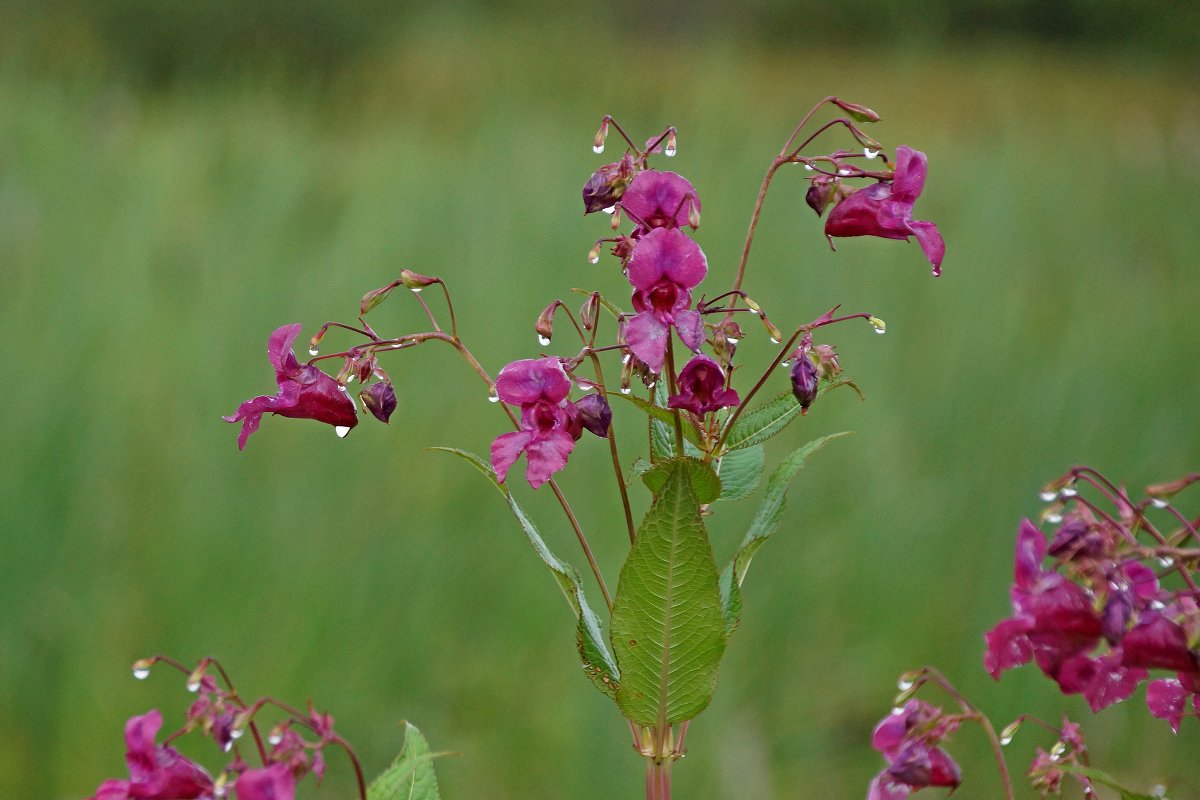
<point x="178" y="180"/>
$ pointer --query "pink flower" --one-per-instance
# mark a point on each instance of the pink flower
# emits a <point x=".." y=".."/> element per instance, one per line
<point x="305" y="392"/>
<point x="664" y="268"/>
<point x="885" y="209"/>
<point x="1167" y="698"/>
<point x="156" y="772"/>
<point x="657" y="199"/>
<point x="549" y="422"/>
<point x="702" y="388"/>
<point x="908" y="739"/>
<point x="274" y="782"/>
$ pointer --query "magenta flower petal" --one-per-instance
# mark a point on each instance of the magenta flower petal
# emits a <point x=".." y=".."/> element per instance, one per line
<point x="1158" y="643"/>
<point x="690" y="327"/>
<point x="666" y="255"/>
<point x="1166" y="698"/>
<point x="659" y="199"/>
<point x="932" y="243"/>
<point x="1008" y="646"/>
<point x="702" y="387"/>
<point x="533" y="379"/>
<point x="911" y="169"/>
<point x="884" y="788"/>
<point x="506" y="448"/>
<point x="647" y="336"/>
<point x="546" y="455"/>
<point x="156" y="772"/>
<point x="1031" y="550"/>
<point x="274" y="782"/>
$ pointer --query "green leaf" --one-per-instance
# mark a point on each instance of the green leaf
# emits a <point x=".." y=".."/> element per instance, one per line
<point x="667" y="628"/>
<point x="411" y="776"/>
<point x="765" y="521"/>
<point x="598" y="662"/>
<point x="705" y="482"/>
<point x="755" y="427"/>
<point x="740" y="471"/>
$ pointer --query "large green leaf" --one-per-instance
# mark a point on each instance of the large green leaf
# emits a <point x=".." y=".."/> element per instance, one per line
<point x="705" y="483"/>
<point x="765" y="521"/>
<point x="667" y="629"/>
<point x="598" y="662"/>
<point x="740" y="471"/>
<point x="411" y="776"/>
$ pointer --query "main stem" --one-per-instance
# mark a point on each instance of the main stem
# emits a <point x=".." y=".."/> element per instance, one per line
<point x="658" y="779"/>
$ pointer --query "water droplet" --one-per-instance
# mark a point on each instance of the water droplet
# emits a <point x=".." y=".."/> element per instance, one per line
<point x="879" y="325"/>
<point x="1166" y="561"/>
<point x="1158" y="502"/>
<point x="733" y="340"/>
<point x="543" y="340"/>
<point x="193" y="684"/>
<point x="1006" y="740"/>
<point x="141" y="673"/>
<point x="843" y="172"/>
<point x="650" y="385"/>
<point x="227" y="746"/>
<point x="1068" y="491"/>
<point x="1158" y="791"/>
<point x="275" y="738"/>
<point x="598" y="148"/>
<point x="219" y="791"/>
<point x="881" y="331"/>
<point x="625" y="358"/>
<point x="492" y="396"/>
<point x="785" y="363"/>
<point x="626" y="390"/>
<point x="584" y="386"/>
<point x="669" y="151"/>
<point x="349" y="379"/>
<point x="417" y="289"/>
<point x="609" y="210"/>
<point x="341" y="431"/>
<point x="594" y="258"/>
<point x="869" y="153"/>
<point x="904" y="684"/>
<point x="1054" y="518"/>
<point x="775" y="340"/>
<point x="313" y="351"/>
<point x="237" y="733"/>
<point x="809" y="167"/>
<point x="1047" y="496"/>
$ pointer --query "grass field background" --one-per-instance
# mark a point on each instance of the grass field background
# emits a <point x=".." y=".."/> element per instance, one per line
<point x="151" y="239"/>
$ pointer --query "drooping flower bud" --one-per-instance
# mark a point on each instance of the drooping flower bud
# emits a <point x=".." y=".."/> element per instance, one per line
<point x="820" y="194"/>
<point x="545" y="324"/>
<point x="416" y="281"/>
<point x="595" y="414"/>
<point x="828" y="366"/>
<point x="589" y="310"/>
<point x="601" y="135"/>
<point x="859" y="113"/>
<point x="607" y="184"/>
<point x="379" y="399"/>
<point x="804" y="381"/>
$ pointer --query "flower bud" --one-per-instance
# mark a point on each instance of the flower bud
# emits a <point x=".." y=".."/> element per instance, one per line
<point x="601" y="135"/>
<point x="804" y="382"/>
<point x="368" y="302"/>
<point x="415" y="280"/>
<point x="380" y="399"/>
<point x="595" y="414"/>
<point x="819" y="195"/>
<point x="589" y="311"/>
<point x="693" y="215"/>
<point x="828" y="366"/>
<point x="606" y="185"/>
<point x="545" y="324"/>
<point x="859" y="113"/>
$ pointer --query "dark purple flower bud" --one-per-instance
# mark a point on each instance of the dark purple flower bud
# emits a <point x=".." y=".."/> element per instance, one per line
<point x="606" y="185"/>
<point x="273" y="782"/>
<point x="1158" y="643"/>
<point x="1076" y="540"/>
<point x="305" y="392"/>
<point x="885" y="209"/>
<point x="595" y="414"/>
<point x="819" y="194"/>
<point x="804" y="381"/>
<point x="702" y="388"/>
<point x="379" y="399"/>
<point x="1115" y="617"/>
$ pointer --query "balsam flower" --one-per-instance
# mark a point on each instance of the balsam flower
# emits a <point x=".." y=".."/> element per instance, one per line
<point x="702" y="388"/>
<point x="273" y="782"/>
<point x="656" y="199"/>
<point x="156" y="772"/>
<point x="305" y="392"/>
<point x="664" y="268"/>
<point x="549" y="422"/>
<point x="908" y="739"/>
<point x="885" y="209"/>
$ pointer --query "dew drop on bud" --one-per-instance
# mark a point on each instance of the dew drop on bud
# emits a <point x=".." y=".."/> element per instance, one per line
<point x="141" y="673"/>
<point x="1047" y="496"/>
<point x="543" y="340"/>
<point x="809" y="167"/>
<point x="1068" y="491"/>
<point x="275" y="738"/>
<point x="843" y="172"/>
<point x="879" y="325"/>
<point x="785" y="363"/>
<point x="609" y="210"/>
<point x="904" y="684"/>
<point x="593" y="258"/>
<point x="236" y="733"/>
<point x="313" y="351"/>
<point x="1166" y="562"/>
<point x="775" y="340"/>
<point x="598" y="148"/>
<point x="625" y="358"/>
<point x="651" y="384"/>
<point x="1054" y="518"/>
<point x="626" y="390"/>
<point x="227" y="746"/>
<point x="733" y="340"/>
<point x="492" y="396"/>
<point x="869" y="153"/>
<point x="193" y="685"/>
<point x="1158" y="502"/>
<point x="219" y="791"/>
<point x="1006" y="740"/>
<point x="669" y="151"/>
<point x="341" y="431"/>
<point x="584" y="386"/>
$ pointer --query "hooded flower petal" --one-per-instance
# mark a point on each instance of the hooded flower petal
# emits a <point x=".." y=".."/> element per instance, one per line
<point x="506" y="449"/>
<point x="533" y="379"/>
<point x="647" y="336"/>
<point x="305" y="392"/>
<point x="666" y="256"/>
<point x="156" y="772"/>
<point x="1158" y="643"/>
<point x="657" y="199"/>
<point x="1166" y="699"/>
<point x="546" y="455"/>
<point x="702" y="387"/>
<point x="885" y="209"/>
<point x="273" y="782"/>
<point x="549" y="423"/>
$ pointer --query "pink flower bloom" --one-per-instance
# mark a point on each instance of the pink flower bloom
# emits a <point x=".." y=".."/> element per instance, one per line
<point x="1167" y="698"/>
<point x="657" y="199"/>
<point x="156" y="772"/>
<point x="305" y="392"/>
<point x="702" y="388"/>
<point x="908" y="740"/>
<point x="885" y="209"/>
<point x="549" y="422"/>
<point x="664" y="268"/>
<point x="274" y="782"/>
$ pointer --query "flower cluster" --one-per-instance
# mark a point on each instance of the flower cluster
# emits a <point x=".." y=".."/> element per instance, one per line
<point x="908" y="739"/>
<point x="159" y="772"/>
<point x="1099" y="617"/>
